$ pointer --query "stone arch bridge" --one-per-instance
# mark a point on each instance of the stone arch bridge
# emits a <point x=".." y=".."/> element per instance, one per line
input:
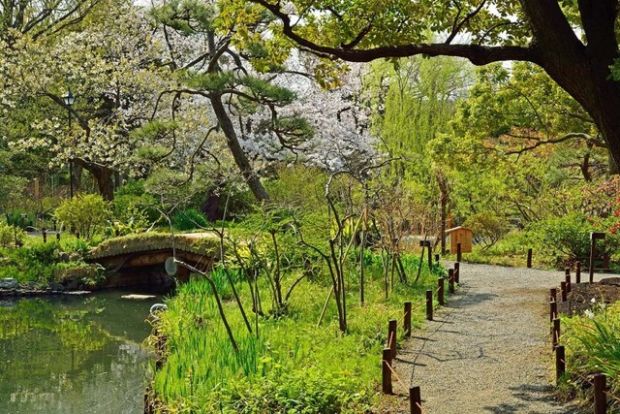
<point x="138" y="260"/>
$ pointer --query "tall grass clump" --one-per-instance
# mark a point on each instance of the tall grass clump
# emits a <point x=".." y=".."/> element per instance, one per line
<point x="593" y="346"/>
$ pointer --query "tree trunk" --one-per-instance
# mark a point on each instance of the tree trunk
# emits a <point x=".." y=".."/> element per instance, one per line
<point x="104" y="177"/>
<point x="77" y="177"/>
<point x="443" y="200"/>
<point x="241" y="159"/>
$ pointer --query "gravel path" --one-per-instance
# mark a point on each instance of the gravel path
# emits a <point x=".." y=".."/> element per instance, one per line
<point x="488" y="350"/>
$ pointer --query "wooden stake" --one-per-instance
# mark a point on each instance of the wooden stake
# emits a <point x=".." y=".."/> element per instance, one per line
<point x="600" y="394"/>
<point x="415" y="400"/>
<point x="560" y="363"/>
<point x="440" y="291"/>
<point x="386" y="372"/>
<point x="429" y="305"/>
<point x="407" y="321"/>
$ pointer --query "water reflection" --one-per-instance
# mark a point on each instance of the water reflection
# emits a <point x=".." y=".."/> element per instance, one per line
<point x="73" y="355"/>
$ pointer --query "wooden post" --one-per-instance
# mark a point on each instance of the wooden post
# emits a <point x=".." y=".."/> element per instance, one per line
<point x="593" y="238"/>
<point x="387" y="371"/>
<point x="429" y="245"/>
<point x="440" y="291"/>
<point x="564" y="292"/>
<point x="44" y="234"/>
<point x="560" y="363"/>
<point x="457" y="272"/>
<point x="556" y="332"/>
<point x="429" y="305"/>
<point x="553" y="310"/>
<point x="392" y="325"/>
<point x="568" y="281"/>
<point x="415" y="400"/>
<point x="458" y="252"/>
<point x="553" y="294"/>
<point x="407" y="321"/>
<point x="451" y="280"/>
<point x="58" y="236"/>
<point x="529" y="258"/>
<point x="600" y="394"/>
<point x="578" y="272"/>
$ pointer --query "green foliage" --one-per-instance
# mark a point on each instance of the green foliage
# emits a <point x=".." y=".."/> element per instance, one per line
<point x="41" y="263"/>
<point x="593" y="346"/>
<point x="293" y="365"/>
<point x="133" y="197"/>
<point x="569" y="236"/>
<point x="11" y="235"/>
<point x="84" y="213"/>
<point x="189" y="219"/>
<point x="487" y="227"/>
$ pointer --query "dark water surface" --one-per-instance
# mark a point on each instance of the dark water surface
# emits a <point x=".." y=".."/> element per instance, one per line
<point x="73" y="355"/>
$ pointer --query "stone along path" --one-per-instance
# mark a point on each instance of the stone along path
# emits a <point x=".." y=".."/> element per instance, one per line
<point x="488" y="350"/>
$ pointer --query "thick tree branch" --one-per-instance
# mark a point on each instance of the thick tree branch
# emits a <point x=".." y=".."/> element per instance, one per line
<point x="477" y="54"/>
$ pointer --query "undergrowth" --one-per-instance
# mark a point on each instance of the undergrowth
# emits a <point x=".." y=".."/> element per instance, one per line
<point x="293" y="365"/>
<point x="592" y="344"/>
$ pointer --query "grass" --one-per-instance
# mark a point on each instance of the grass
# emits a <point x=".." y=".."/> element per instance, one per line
<point x="293" y="366"/>
<point x="592" y="344"/>
<point x="40" y="263"/>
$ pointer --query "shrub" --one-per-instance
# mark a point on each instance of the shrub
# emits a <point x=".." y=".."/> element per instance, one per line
<point x="488" y="227"/>
<point x="84" y="213"/>
<point x="569" y="235"/>
<point x="19" y="218"/>
<point x="132" y="220"/>
<point x="132" y="196"/>
<point x="189" y="219"/>
<point x="10" y="235"/>
<point x="593" y="345"/>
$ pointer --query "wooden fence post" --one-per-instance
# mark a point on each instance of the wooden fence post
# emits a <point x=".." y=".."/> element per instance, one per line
<point x="553" y="310"/>
<point x="429" y="245"/>
<point x="553" y="294"/>
<point x="529" y="258"/>
<point x="564" y="292"/>
<point x="58" y="236"/>
<point x="451" y="280"/>
<point x="578" y="272"/>
<point x="600" y="394"/>
<point x="387" y="371"/>
<point x="593" y="238"/>
<point x="458" y="252"/>
<point x="440" y="291"/>
<point x="568" y="280"/>
<point x="392" y="326"/>
<point x="555" y="340"/>
<point x="457" y="272"/>
<point x="560" y="363"/>
<point x="407" y="322"/>
<point x="415" y="400"/>
<point x="429" y="305"/>
<point x="44" y="234"/>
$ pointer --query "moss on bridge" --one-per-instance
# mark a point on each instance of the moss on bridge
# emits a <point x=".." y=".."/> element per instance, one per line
<point x="206" y="244"/>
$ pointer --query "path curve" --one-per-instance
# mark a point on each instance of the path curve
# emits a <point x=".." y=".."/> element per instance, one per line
<point x="488" y="350"/>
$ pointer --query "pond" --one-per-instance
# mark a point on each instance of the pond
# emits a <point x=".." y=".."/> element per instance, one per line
<point x="74" y="355"/>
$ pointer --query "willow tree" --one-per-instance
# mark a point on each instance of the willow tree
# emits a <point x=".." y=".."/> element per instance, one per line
<point x="575" y="42"/>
